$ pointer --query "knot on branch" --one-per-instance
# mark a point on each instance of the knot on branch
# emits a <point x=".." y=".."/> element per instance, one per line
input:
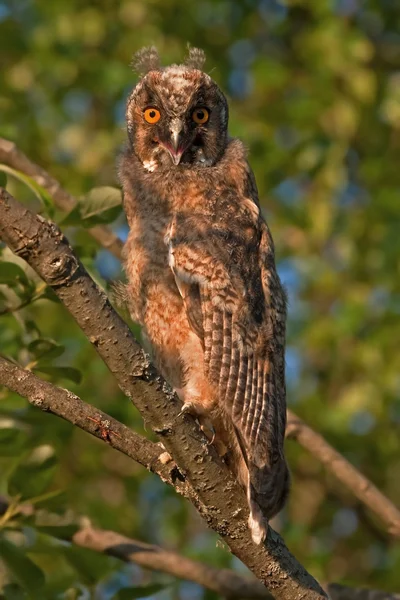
<point x="62" y="269"/>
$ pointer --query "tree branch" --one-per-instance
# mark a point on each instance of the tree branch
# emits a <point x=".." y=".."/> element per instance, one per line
<point x="219" y="498"/>
<point x="359" y="485"/>
<point x="11" y="155"/>
<point x="225" y="582"/>
<point x="71" y="408"/>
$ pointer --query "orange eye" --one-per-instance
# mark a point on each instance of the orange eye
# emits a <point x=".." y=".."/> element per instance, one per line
<point x="152" y="115"/>
<point x="200" y="115"/>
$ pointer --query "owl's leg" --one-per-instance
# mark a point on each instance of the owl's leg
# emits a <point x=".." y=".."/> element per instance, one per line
<point x="195" y="410"/>
<point x="178" y="353"/>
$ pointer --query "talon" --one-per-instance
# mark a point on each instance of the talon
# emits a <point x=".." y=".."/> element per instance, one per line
<point x="212" y="439"/>
<point x="188" y="408"/>
<point x="207" y="430"/>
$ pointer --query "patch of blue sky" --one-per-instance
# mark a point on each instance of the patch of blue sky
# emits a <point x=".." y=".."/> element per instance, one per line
<point x="289" y="191"/>
<point x="273" y="11"/>
<point x="289" y="275"/>
<point x="240" y="83"/>
<point x="293" y="366"/>
<point x="362" y="423"/>
<point x="346" y="8"/>
<point x="242" y="53"/>
<point x="352" y="195"/>
<point x="4" y="11"/>
<point x="108" y="265"/>
<point x="345" y="523"/>
<point x="77" y="104"/>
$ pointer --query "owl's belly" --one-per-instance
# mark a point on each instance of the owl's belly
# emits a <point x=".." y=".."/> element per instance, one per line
<point x="146" y="266"/>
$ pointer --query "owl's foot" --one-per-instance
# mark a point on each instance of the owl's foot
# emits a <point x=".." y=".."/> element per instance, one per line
<point x="191" y="408"/>
<point x="188" y="408"/>
<point x="209" y="432"/>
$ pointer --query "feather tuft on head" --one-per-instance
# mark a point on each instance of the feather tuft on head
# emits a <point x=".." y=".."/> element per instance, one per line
<point x="196" y="58"/>
<point x="145" y="60"/>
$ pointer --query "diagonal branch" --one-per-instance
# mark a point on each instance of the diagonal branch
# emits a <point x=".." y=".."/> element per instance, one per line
<point x="11" y="155"/>
<point x="219" y="498"/>
<point x="225" y="582"/>
<point x="359" y="485"/>
<point x="68" y="406"/>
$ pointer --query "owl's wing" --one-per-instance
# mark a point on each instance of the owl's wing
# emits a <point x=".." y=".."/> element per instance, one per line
<point x="238" y="312"/>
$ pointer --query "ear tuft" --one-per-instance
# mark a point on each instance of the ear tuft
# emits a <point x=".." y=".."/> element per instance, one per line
<point x="196" y="58"/>
<point x="145" y="60"/>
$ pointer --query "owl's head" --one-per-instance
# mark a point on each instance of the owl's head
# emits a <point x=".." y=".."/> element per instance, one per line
<point x="176" y="115"/>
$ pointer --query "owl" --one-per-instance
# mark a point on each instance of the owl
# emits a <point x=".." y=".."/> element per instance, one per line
<point x="201" y="272"/>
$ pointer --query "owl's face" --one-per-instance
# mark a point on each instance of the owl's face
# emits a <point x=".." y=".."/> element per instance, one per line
<point x="177" y="117"/>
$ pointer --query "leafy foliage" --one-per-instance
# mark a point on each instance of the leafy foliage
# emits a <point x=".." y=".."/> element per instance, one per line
<point x="314" y="92"/>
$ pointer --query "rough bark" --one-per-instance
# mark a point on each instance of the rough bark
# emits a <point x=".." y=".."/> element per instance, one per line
<point x="68" y="406"/>
<point x="219" y="499"/>
<point x="225" y="582"/>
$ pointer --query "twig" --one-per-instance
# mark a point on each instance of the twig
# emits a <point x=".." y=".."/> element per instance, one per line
<point x="10" y="154"/>
<point x="219" y="498"/>
<point x="359" y="485"/>
<point x="223" y="581"/>
<point x="68" y="406"/>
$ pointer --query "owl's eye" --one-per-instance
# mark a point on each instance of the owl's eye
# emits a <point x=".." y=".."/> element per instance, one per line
<point x="152" y="115"/>
<point x="200" y="115"/>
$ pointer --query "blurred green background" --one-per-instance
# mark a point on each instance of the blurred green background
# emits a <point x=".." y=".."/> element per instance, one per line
<point x="314" y="91"/>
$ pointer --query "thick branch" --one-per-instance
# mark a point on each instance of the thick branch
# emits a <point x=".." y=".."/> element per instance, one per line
<point x="11" y="155"/>
<point x="68" y="406"/>
<point x="219" y="498"/>
<point x="359" y="485"/>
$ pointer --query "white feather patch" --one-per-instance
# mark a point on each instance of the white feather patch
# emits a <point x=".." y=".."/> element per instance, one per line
<point x="150" y="165"/>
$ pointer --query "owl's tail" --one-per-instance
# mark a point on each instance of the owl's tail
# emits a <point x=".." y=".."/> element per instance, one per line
<point x="266" y="486"/>
<point x="267" y="490"/>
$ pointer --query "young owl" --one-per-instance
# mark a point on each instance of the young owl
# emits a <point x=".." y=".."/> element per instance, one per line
<point x="201" y="270"/>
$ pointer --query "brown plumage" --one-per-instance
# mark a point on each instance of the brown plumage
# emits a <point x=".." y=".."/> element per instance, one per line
<point x="201" y="270"/>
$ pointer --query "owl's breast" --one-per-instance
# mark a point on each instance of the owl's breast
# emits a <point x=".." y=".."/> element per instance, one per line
<point x="146" y="260"/>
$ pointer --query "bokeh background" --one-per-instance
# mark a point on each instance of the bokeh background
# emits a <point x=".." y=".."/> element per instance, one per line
<point x="314" y="91"/>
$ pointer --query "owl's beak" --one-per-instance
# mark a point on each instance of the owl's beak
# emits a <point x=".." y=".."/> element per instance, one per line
<point x="176" y="149"/>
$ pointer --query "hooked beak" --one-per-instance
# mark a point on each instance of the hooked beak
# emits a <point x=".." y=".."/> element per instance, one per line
<point x="175" y="147"/>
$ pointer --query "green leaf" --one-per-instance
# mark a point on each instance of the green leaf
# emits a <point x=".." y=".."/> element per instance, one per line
<point x="3" y="180"/>
<point x="101" y="205"/>
<point x="37" y="189"/>
<point x="49" y="294"/>
<point x="45" y="349"/>
<point x="12" y="591"/>
<point x="62" y="532"/>
<point x="12" y="274"/>
<point x="58" y="373"/>
<point x="139" y="592"/>
<point x="6" y="473"/>
<point x="31" y="479"/>
<point x="25" y="572"/>
<point x="90" y="565"/>
<point x="12" y="440"/>
<point x="44" y="498"/>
